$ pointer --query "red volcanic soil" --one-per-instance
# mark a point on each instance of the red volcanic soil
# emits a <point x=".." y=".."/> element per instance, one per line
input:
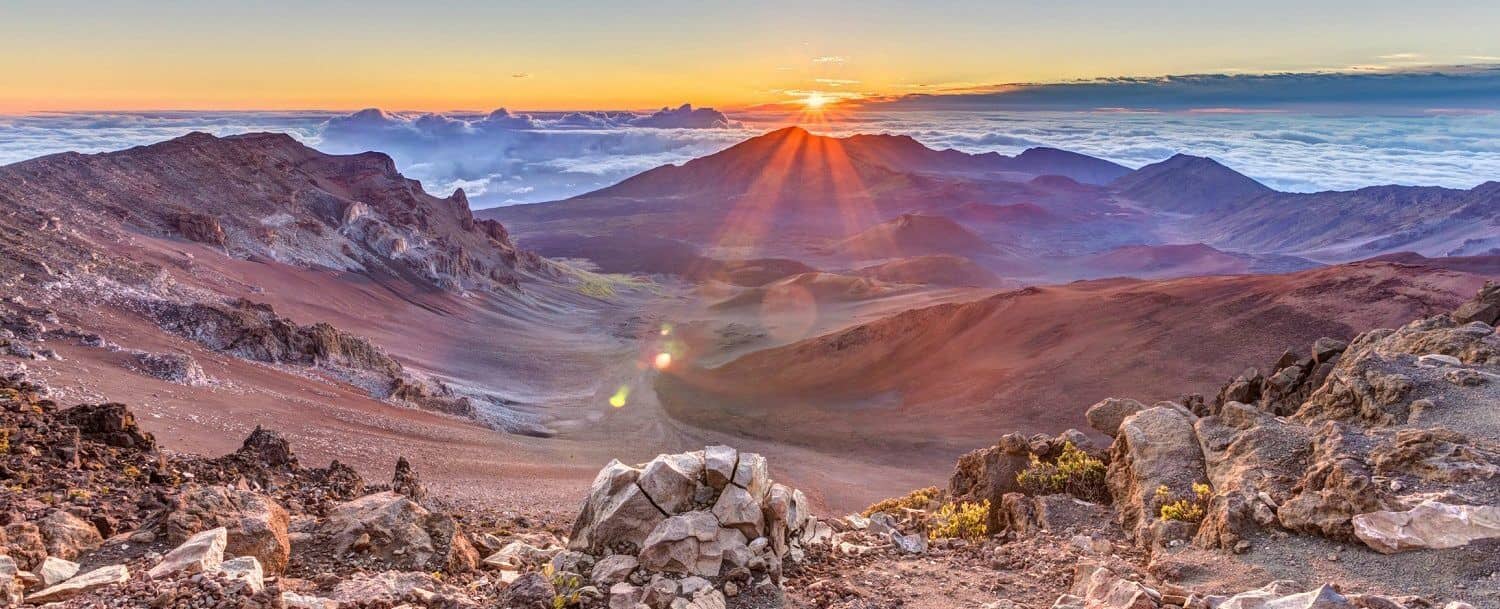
<point x="1016" y="213"/>
<point x="922" y="386"/>
<point x="937" y="269"/>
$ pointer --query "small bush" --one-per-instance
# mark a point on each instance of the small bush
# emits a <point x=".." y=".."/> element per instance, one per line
<point x="4" y="440"/>
<point x="1191" y="509"/>
<point x="964" y="520"/>
<point x="567" y="587"/>
<point x="1074" y="472"/>
<point x="919" y="499"/>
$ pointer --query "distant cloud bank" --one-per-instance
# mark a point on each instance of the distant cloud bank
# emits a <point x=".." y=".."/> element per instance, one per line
<point x="1452" y="87"/>
<point x="1299" y="132"/>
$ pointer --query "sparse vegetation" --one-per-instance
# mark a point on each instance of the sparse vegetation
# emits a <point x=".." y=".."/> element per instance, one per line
<point x="1189" y="509"/>
<point x="919" y="499"/>
<point x="1074" y="472"/>
<point x="605" y="286"/>
<point x="4" y="440"/>
<point x="567" y="586"/>
<point x="962" y="520"/>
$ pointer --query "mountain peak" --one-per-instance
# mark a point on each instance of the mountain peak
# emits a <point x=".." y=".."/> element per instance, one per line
<point x="1190" y="184"/>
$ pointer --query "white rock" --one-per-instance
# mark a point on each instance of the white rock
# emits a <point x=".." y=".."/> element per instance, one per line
<point x="1431" y="525"/>
<point x="98" y="578"/>
<point x="200" y="553"/>
<point x="623" y="596"/>
<point x="1438" y="359"/>
<point x="718" y="465"/>
<point x="1275" y="596"/>
<point x="55" y="570"/>
<point x="671" y="480"/>
<point x="292" y="600"/>
<point x="736" y="508"/>
<point x="246" y="569"/>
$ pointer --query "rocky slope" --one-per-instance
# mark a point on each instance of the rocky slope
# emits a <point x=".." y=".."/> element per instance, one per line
<point x="1359" y="475"/>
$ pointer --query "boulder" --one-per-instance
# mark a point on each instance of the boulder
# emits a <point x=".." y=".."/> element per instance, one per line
<point x="98" y="578"/>
<point x="256" y="524"/>
<point x="66" y="536"/>
<point x="613" y="569"/>
<point x="11" y="587"/>
<point x="199" y="554"/>
<point x="735" y="508"/>
<point x="1155" y="447"/>
<point x="55" y="570"/>
<point x="1276" y="595"/>
<point x="718" y="465"/>
<point x="1485" y="307"/>
<point x="623" y="595"/>
<point x="400" y="533"/>
<point x="1107" y="415"/>
<point x="671" y="481"/>
<point x="530" y="591"/>
<point x="246" y="569"/>
<point x="617" y="512"/>
<point x="688" y="543"/>
<point x="1430" y="525"/>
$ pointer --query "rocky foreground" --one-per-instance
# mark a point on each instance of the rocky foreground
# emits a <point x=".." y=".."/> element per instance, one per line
<point x="1362" y="475"/>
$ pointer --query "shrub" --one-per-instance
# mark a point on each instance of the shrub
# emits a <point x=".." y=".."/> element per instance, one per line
<point x="4" y="440"/>
<point x="919" y="499"/>
<point x="965" y="520"/>
<point x="567" y="587"/>
<point x="1074" y="472"/>
<point x="1190" y="509"/>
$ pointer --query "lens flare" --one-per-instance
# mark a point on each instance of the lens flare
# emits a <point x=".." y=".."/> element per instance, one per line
<point x="621" y="395"/>
<point x="663" y="360"/>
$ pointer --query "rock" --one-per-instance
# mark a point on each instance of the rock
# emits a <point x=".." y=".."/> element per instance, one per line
<point x="111" y="424"/>
<point x="686" y="543"/>
<point x="623" y="595"/>
<point x="572" y="562"/>
<point x="67" y="536"/>
<point x="616" y="512"/>
<point x="406" y="483"/>
<point x="1275" y="596"/>
<point x="246" y="569"/>
<point x="671" y="481"/>
<point x="268" y="448"/>
<point x="1107" y="415"/>
<point x="1438" y="360"/>
<point x="202" y="228"/>
<point x="613" y="569"/>
<point x="293" y="600"/>
<point x="256" y="524"/>
<point x="55" y="570"/>
<point x="519" y="554"/>
<point x="737" y="509"/>
<point x="1155" y="447"/>
<point x="174" y="367"/>
<point x="1485" y="306"/>
<point x="199" y="554"/>
<point x="11" y="587"/>
<point x="400" y="533"/>
<point x="718" y="465"/>
<point x="387" y="586"/>
<point x="98" y="578"/>
<point x="530" y="591"/>
<point x="915" y="543"/>
<point x="1430" y="525"/>
<point x="660" y="593"/>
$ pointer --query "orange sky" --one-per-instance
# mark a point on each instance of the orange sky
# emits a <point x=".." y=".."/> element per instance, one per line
<point x="463" y="54"/>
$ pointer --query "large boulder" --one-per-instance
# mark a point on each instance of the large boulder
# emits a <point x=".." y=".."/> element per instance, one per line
<point x="1485" y="307"/>
<point x="1253" y="460"/>
<point x="1431" y="525"/>
<point x="256" y="524"/>
<point x="1156" y="447"/>
<point x="692" y="543"/>
<point x="1107" y="415"/>
<point x="67" y="536"/>
<point x="396" y="531"/>
<point x="201" y="553"/>
<point x="617" y="514"/>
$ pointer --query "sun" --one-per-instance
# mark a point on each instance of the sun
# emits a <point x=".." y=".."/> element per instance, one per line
<point x="814" y="101"/>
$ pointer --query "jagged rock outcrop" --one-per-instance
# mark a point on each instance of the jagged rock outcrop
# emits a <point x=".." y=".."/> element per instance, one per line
<point x="1485" y="307"/>
<point x="990" y="474"/>
<point x="254" y="331"/>
<point x="1155" y="448"/>
<point x="714" y="513"/>
<point x="1432" y="525"/>
<point x="256" y="524"/>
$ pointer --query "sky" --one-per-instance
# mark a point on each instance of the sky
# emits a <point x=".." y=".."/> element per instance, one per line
<point x="571" y="55"/>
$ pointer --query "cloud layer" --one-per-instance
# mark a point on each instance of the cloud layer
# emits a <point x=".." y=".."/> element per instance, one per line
<point x="503" y="157"/>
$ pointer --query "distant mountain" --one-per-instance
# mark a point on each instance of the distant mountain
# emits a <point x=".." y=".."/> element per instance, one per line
<point x="1345" y="225"/>
<point x="265" y="195"/>
<point x="1189" y="184"/>
<point x="913" y="235"/>
<point x="1181" y="260"/>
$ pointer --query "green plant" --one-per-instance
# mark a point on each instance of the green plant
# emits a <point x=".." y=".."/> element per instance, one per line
<point x="567" y="585"/>
<point x="1073" y="472"/>
<point x="1189" y="509"/>
<point x="963" y="520"/>
<point x="4" y="440"/>
<point x="919" y="499"/>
